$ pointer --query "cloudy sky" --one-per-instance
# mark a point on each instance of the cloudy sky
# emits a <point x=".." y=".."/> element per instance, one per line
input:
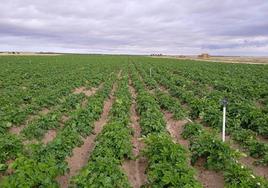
<point x="135" y="26"/>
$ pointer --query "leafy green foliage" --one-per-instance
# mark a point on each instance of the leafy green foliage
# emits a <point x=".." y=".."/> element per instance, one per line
<point x="191" y="130"/>
<point x="241" y="114"/>
<point x="216" y="153"/>
<point x="33" y="173"/>
<point x="30" y="84"/>
<point x="166" y="102"/>
<point x="10" y="147"/>
<point x="168" y="165"/>
<point x="38" y="128"/>
<point x="239" y="176"/>
<point x="102" y="172"/>
<point x="151" y="118"/>
<point x="219" y="156"/>
<point x="112" y="146"/>
<point x="248" y="140"/>
<point x="52" y="156"/>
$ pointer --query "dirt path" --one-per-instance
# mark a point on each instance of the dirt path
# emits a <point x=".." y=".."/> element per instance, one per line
<point x="175" y="128"/>
<point x="49" y="136"/>
<point x="16" y="130"/>
<point x="81" y="154"/>
<point x="135" y="169"/>
<point x="208" y="178"/>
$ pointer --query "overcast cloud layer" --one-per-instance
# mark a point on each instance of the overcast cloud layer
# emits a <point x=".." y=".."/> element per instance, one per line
<point x="218" y="27"/>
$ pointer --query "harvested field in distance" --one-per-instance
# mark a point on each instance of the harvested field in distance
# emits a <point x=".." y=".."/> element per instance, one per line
<point x="132" y="121"/>
<point x="222" y="59"/>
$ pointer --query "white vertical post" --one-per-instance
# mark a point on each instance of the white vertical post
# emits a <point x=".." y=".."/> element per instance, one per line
<point x="223" y="124"/>
<point x="224" y="103"/>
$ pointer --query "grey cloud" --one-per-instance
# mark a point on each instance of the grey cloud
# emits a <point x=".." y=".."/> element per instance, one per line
<point x="241" y="44"/>
<point x="135" y="26"/>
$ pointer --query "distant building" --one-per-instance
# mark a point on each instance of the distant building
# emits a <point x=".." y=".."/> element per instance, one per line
<point x="156" y="54"/>
<point x="204" y="56"/>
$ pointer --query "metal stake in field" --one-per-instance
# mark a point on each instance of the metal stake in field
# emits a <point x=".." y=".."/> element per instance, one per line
<point x="224" y="103"/>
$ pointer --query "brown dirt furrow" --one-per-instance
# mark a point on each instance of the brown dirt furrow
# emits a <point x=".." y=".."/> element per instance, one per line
<point x="81" y="154"/>
<point x="135" y="169"/>
<point x="79" y="90"/>
<point x="17" y="130"/>
<point x="208" y="178"/>
<point x="44" y="111"/>
<point x="64" y="118"/>
<point x="175" y="128"/>
<point x="49" y="136"/>
<point x="262" y="139"/>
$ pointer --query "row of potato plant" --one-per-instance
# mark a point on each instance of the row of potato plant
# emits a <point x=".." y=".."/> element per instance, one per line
<point x="164" y="100"/>
<point x="248" y="81"/>
<point x="251" y="114"/>
<point x="52" y="120"/>
<point x="113" y="145"/>
<point x="220" y="157"/>
<point x="209" y="110"/>
<point x="28" y="84"/>
<point x="40" y="164"/>
<point x="11" y="146"/>
<point x="241" y="109"/>
<point x="168" y="165"/>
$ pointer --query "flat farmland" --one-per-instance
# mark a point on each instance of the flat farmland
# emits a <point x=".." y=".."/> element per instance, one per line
<point x="131" y="121"/>
<point x="223" y="59"/>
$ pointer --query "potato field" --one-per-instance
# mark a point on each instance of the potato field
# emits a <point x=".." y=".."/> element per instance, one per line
<point x="131" y="121"/>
